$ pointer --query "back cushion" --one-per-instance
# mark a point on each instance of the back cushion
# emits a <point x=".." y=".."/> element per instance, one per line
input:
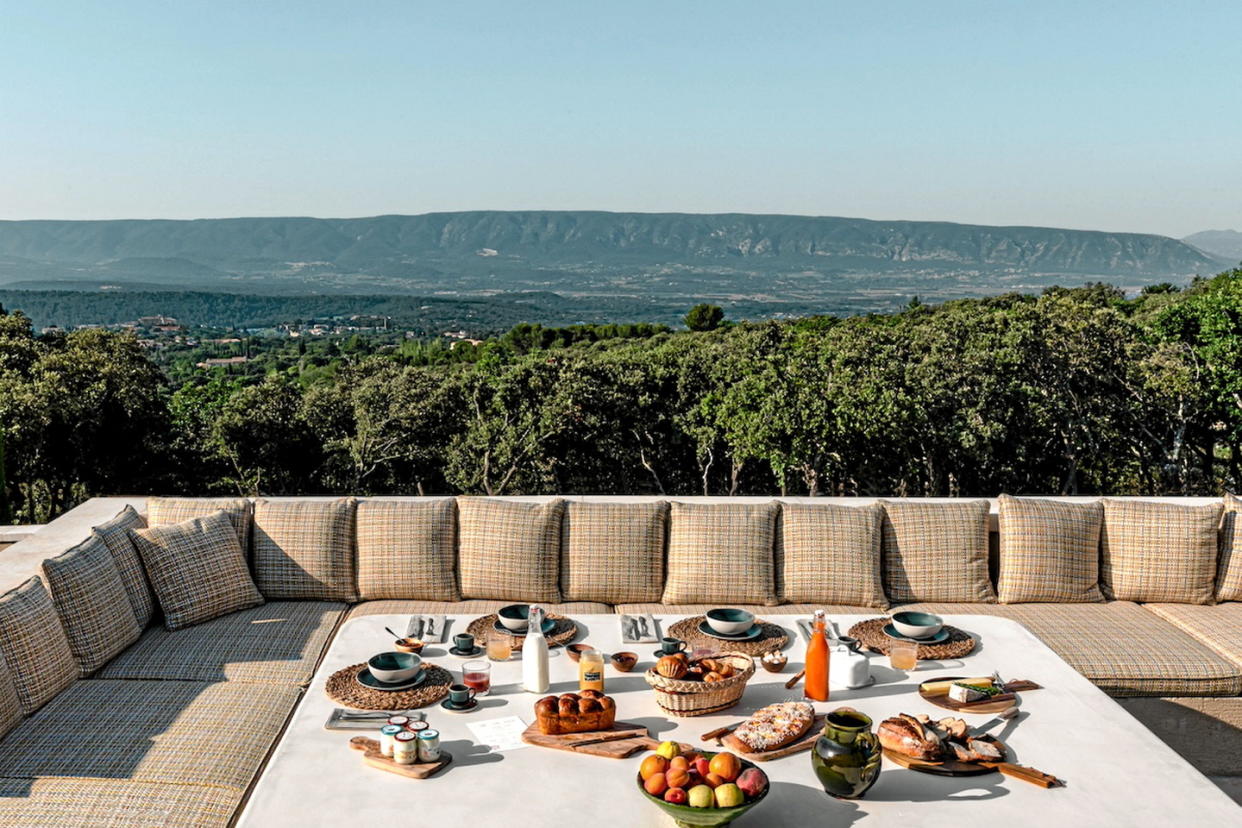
<point x="90" y="598"/>
<point x="115" y="535"/>
<point x="721" y="553"/>
<point x="509" y="550"/>
<point x="406" y="549"/>
<point x="613" y="552"/>
<point x="830" y="554"/>
<point x="305" y="549"/>
<point x="937" y="552"/>
<point x="1229" y="570"/>
<point x="10" y="706"/>
<point x="167" y="511"/>
<point x="34" y="645"/>
<point x="1159" y="552"/>
<point x="1049" y="551"/>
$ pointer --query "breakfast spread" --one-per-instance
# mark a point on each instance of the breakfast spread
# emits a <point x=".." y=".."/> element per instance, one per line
<point x="775" y="726"/>
<point x="918" y="737"/>
<point x="575" y="712"/>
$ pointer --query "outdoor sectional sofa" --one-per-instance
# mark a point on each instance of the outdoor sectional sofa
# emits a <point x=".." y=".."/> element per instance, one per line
<point x="109" y="717"/>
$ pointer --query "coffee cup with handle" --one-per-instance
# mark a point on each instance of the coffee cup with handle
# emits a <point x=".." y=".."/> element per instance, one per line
<point x="671" y="646"/>
<point x="464" y="642"/>
<point x="460" y="695"/>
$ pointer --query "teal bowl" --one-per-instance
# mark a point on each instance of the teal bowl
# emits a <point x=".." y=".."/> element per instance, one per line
<point x="730" y="620"/>
<point x="514" y="616"/>
<point x="913" y="624"/>
<point x="393" y="667"/>
<point x="684" y="815"/>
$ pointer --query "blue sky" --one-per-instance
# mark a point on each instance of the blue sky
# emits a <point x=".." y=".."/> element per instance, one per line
<point x="1103" y="115"/>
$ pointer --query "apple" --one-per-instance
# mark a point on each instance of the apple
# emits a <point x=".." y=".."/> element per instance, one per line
<point x="677" y="796"/>
<point x="677" y="778"/>
<point x="668" y="749"/>
<point x="726" y="766"/>
<point x="701" y="766"/>
<point x="729" y="795"/>
<point x="652" y="765"/>
<point x="656" y="784"/>
<point x="752" y="782"/>
<point x="714" y="780"/>
<point x="701" y="796"/>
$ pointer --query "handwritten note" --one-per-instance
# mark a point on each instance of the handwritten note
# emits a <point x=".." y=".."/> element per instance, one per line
<point x="499" y="734"/>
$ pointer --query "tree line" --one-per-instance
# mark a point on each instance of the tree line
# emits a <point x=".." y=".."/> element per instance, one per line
<point x="1072" y="391"/>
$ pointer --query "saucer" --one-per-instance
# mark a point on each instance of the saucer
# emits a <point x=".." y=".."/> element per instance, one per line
<point x="448" y="707"/>
<point x="891" y="632"/>
<point x="753" y="632"/>
<point x="365" y="678"/>
<point x="477" y="651"/>
<point x="870" y="681"/>
<point x="548" y="625"/>
<point x="658" y="654"/>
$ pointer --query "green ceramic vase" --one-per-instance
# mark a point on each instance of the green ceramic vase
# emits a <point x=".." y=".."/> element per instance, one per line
<point x="846" y="756"/>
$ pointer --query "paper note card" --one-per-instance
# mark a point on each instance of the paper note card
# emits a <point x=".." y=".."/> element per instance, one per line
<point x="499" y="734"/>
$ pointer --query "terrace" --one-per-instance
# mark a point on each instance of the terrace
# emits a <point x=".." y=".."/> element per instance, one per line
<point x="202" y="653"/>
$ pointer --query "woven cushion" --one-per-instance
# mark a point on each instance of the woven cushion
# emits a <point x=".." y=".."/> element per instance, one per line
<point x="406" y="549"/>
<point x="1121" y="647"/>
<point x="305" y="549"/>
<point x="1219" y="626"/>
<point x="1159" y="552"/>
<point x="54" y="802"/>
<point x="613" y="552"/>
<point x="936" y="551"/>
<point x="10" y="705"/>
<point x="831" y="554"/>
<point x="166" y="511"/>
<point x="91" y="601"/>
<point x="760" y="610"/>
<point x="174" y="732"/>
<point x="34" y="646"/>
<point x="1049" y="551"/>
<point x="115" y="535"/>
<point x="477" y="606"/>
<point x="509" y="549"/>
<point x="197" y="569"/>
<point x="1229" y="568"/>
<point x="279" y="642"/>
<point x="722" y="553"/>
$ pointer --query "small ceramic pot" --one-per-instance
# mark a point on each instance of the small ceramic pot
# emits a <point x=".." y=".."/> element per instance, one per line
<point x="846" y="756"/>
<point x="575" y="651"/>
<point x="624" y="661"/>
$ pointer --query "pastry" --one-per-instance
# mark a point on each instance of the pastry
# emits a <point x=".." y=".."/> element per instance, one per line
<point x="775" y="726"/>
<point x="575" y="713"/>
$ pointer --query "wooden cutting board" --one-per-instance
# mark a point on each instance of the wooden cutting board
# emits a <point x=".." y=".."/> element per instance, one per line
<point x="797" y="746"/>
<point x="371" y="755"/>
<point x="996" y="704"/>
<point x="624" y="739"/>
<point x="948" y="767"/>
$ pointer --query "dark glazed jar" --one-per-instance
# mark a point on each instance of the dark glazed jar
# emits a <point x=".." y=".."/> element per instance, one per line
<point x="846" y="756"/>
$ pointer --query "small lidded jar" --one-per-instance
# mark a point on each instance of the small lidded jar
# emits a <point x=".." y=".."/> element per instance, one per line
<point x="591" y="671"/>
<point x="405" y="748"/>
<point x="429" y="746"/>
<point x="387" y="734"/>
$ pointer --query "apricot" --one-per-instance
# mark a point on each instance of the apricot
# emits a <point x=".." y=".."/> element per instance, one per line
<point x="726" y="766"/>
<point x="656" y="784"/>
<point x="714" y="781"/>
<point x="679" y="763"/>
<point x="677" y="777"/>
<point x="652" y="765"/>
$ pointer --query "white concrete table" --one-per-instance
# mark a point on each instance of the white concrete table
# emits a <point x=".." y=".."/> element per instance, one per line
<point x="1118" y="772"/>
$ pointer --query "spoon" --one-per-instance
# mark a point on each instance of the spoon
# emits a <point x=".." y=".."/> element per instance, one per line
<point x="393" y="634"/>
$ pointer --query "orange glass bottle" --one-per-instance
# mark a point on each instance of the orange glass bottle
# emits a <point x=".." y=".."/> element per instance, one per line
<point x="816" y="682"/>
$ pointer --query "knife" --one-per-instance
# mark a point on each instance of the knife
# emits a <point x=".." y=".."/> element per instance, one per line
<point x="1004" y="716"/>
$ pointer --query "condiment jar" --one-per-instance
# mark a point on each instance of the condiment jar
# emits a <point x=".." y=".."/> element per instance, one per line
<point x="429" y="746"/>
<point x="387" y="734"/>
<point x="405" y="748"/>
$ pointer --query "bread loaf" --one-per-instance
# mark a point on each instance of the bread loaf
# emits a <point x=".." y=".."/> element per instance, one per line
<point x="575" y="713"/>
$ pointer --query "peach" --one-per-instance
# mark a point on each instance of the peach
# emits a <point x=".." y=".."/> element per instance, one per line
<point x="752" y="782"/>
<point x="652" y="765"/>
<point x="714" y="781"/>
<point x="726" y="766"/>
<point x="677" y="777"/>
<point x="656" y="784"/>
<point x="701" y="766"/>
<point x="677" y="796"/>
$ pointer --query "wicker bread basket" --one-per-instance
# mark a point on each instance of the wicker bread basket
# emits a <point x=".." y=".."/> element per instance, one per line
<point x="678" y="697"/>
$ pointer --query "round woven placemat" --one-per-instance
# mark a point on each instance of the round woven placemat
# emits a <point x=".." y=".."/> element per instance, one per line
<point x="343" y="688"/>
<point x="870" y="634"/>
<point x="772" y="638"/>
<point x="562" y="633"/>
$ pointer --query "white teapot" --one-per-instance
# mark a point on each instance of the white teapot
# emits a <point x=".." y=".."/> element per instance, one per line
<point x="848" y="668"/>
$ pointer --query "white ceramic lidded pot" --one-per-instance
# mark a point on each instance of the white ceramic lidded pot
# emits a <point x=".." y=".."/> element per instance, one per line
<point x="848" y="668"/>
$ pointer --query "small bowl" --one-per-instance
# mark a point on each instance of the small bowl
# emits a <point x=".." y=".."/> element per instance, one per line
<point x="514" y="617"/>
<point x="624" y="661"/>
<point x="408" y="645"/>
<point x="394" y="667"/>
<point x="774" y="661"/>
<point x="575" y="651"/>
<point x="730" y="621"/>
<point x="917" y="624"/>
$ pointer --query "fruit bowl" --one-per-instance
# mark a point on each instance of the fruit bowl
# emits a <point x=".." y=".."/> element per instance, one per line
<point x="686" y="815"/>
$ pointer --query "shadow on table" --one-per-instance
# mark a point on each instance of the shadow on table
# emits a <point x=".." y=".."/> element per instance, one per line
<point x="654" y="724"/>
<point x="467" y="753"/>
<point x="902" y="785"/>
<point x="807" y="805"/>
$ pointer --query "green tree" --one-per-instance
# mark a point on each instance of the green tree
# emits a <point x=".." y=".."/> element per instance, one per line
<point x="704" y="317"/>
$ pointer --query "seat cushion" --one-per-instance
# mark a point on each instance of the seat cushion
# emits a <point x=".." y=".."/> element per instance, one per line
<point x="936" y="551"/>
<point x="757" y="609"/>
<point x="613" y="552"/>
<point x="10" y="705"/>
<point x="166" y="511"/>
<point x="468" y="607"/>
<point x="509" y="550"/>
<point x="305" y="549"/>
<point x="1229" y="567"/>
<point x="831" y="554"/>
<point x="279" y="642"/>
<point x="1049" y="551"/>
<point x="115" y="535"/>
<point x="197" y="569"/>
<point x="1159" y="552"/>
<point x="33" y="644"/>
<point x="1219" y="626"/>
<point x="407" y="549"/>
<point x="56" y="802"/>
<point x="721" y="550"/>
<point x="92" y="603"/>
<point x="174" y="732"/>
<point x="1121" y="647"/>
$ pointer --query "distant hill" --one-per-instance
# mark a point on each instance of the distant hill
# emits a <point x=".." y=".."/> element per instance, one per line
<point x="1224" y="244"/>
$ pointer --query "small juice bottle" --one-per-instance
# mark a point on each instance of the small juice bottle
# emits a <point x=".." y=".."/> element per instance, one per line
<point x="591" y="671"/>
<point x="816" y="682"/>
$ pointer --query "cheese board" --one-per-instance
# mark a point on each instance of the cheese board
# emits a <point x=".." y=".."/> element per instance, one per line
<point x="944" y="767"/>
<point x="1008" y="697"/>
<point x="370" y="749"/>
<point x="804" y="742"/>
<point x="617" y="742"/>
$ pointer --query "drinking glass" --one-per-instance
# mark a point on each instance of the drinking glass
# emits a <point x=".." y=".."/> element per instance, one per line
<point x="477" y="675"/>
<point x="499" y="646"/>
<point x="903" y="655"/>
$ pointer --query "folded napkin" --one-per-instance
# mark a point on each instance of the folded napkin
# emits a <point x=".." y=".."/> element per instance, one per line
<point x="804" y="627"/>
<point x="639" y="629"/>
<point x="430" y="628"/>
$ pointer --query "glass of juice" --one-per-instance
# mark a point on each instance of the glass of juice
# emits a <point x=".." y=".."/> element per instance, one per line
<point x="903" y="655"/>
<point x="499" y="646"/>
<point x="477" y="675"/>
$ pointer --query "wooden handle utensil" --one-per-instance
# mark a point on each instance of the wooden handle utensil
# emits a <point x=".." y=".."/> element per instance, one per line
<point x="1035" y="777"/>
<point x="717" y="733"/>
<point x="789" y="685"/>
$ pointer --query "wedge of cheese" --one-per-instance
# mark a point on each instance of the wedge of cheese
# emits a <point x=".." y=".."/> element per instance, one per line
<point x="941" y="688"/>
<point x="962" y="693"/>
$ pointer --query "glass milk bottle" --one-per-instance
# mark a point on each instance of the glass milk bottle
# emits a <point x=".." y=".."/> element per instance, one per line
<point x="535" y="654"/>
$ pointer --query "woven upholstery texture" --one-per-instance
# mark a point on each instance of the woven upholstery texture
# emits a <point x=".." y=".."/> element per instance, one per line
<point x="936" y="551"/>
<point x="830" y="553"/>
<point x="1159" y="552"/>
<point x="115" y="535"/>
<point x="474" y="606"/>
<point x="760" y="610"/>
<point x="279" y="642"/>
<point x="174" y="732"/>
<point x="305" y="549"/>
<point x="407" y="549"/>
<point x="721" y="552"/>
<point x="1218" y="626"/>
<point x="56" y="802"/>
<point x="10" y="705"/>
<point x="613" y="552"/>
<point x="166" y="511"/>
<point x="1229" y="568"/>
<point x="1124" y="649"/>
<point x="33" y="644"/>
<point x="509" y="549"/>
<point x="90" y="599"/>
<point x="1049" y="551"/>
<point x="197" y="569"/>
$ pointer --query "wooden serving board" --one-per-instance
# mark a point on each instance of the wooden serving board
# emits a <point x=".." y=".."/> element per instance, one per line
<point x="948" y="767"/>
<point x="624" y="739"/>
<point x="371" y="755"/>
<point x="995" y="704"/>
<point x="805" y="742"/>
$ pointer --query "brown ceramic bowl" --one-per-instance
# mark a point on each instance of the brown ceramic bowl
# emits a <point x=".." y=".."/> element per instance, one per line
<point x="624" y="661"/>
<point x="408" y="645"/>
<point x="576" y="650"/>
<point x="774" y="662"/>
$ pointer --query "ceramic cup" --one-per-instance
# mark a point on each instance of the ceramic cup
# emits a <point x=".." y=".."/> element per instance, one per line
<point x="671" y="646"/>
<point x="464" y="642"/>
<point x="460" y="695"/>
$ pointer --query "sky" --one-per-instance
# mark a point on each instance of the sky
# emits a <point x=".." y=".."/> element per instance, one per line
<point x="1120" y="116"/>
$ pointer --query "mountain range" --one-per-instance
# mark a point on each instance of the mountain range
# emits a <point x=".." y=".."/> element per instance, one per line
<point x="1223" y="244"/>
